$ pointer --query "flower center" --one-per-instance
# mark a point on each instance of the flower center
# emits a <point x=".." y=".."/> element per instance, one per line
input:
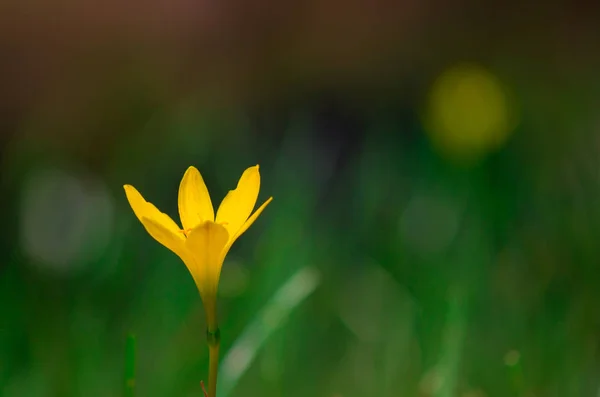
<point x="186" y="231"/>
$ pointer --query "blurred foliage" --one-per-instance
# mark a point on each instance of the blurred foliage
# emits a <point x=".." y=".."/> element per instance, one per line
<point x="400" y="257"/>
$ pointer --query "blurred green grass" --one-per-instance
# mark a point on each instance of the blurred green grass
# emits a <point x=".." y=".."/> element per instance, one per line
<point x="426" y="273"/>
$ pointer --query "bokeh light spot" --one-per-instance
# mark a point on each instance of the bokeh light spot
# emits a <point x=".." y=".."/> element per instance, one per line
<point x="429" y="223"/>
<point x="66" y="221"/>
<point x="512" y="358"/>
<point x="469" y="112"/>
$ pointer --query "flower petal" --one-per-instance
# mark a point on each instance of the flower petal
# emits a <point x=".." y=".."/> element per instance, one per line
<point x="205" y="243"/>
<point x="194" y="202"/>
<point x="251" y="220"/>
<point x="144" y="209"/>
<point x="237" y="206"/>
<point x="175" y="241"/>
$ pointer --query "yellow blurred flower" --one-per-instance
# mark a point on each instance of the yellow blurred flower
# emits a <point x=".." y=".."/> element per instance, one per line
<point x="204" y="241"/>
<point x="470" y="112"/>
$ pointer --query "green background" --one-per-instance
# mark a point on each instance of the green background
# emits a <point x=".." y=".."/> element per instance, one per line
<point x="383" y="267"/>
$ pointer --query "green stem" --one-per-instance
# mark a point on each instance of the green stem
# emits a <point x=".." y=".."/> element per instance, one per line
<point x="214" y="342"/>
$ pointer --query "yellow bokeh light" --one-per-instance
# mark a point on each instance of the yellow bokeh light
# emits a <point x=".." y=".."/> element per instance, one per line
<point x="469" y="112"/>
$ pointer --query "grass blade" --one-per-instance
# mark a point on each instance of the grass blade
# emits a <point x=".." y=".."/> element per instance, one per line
<point x="130" y="354"/>
<point x="244" y="350"/>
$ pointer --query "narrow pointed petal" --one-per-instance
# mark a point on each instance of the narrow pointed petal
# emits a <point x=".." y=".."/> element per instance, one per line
<point x="144" y="209"/>
<point x="239" y="203"/>
<point x="175" y="241"/>
<point x="160" y="226"/>
<point x="252" y="218"/>
<point x="194" y="202"/>
<point x="206" y="243"/>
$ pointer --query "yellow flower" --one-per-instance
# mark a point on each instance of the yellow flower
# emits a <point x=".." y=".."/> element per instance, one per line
<point x="204" y="241"/>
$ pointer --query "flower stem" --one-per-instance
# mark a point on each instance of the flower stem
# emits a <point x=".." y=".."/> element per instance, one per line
<point x="214" y="342"/>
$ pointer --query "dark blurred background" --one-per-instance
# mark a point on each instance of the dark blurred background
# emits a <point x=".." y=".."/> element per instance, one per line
<point x="436" y="174"/>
